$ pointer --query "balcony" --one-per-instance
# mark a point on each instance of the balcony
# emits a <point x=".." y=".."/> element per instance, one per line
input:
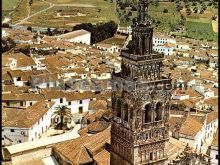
<point x="148" y="57"/>
<point x="153" y="124"/>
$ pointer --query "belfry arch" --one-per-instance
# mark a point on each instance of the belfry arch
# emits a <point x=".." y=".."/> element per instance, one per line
<point x="147" y="113"/>
<point x="159" y="111"/>
<point x="125" y="112"/>
<point x="118" y="108"/>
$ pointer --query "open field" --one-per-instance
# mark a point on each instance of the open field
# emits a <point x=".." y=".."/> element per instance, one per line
<point x="21" y="11"/>
<point x="9" y="4"/>
<point x="200" y="30"/>
<point x="71" y="12"/>
<point x="40" y="5"/>
<point x="67" y="13"/>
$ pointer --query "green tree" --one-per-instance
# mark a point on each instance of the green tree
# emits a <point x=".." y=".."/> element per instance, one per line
<point x="63" y="112"/>
<point x="195" y="9"/>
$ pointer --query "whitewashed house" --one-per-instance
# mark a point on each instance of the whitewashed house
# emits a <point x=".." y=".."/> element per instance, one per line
<point x="26" y="124"/>
<point x="182" y="46"/>
<point x="167" y="49"/>
<point x="78" y="36"/>
<point x="78" y="103"/>
<point x="211" y="125"/>
<point x="205" y="92"/>
<point x="110" y="48"/>
<point x="193" y="133"/>
<point x="159" y="39"/>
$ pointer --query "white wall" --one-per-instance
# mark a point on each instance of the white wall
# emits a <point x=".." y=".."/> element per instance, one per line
<point x="162" y="49"/>
<point x="15" y="136"/>
<point x="85" y="39"/>
<point x="162" y="41"/>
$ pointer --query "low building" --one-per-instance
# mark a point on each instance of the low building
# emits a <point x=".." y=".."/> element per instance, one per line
<point x="159" y="39"/>
<point x="205" y="92"/>
<point x="110" y="48"/>
<point x="26" y="124"/>
<point x="182" y="46"/>
<point x="193" y="133"/>
<point x="78" y="36"/>
<point x="167" y="49"/>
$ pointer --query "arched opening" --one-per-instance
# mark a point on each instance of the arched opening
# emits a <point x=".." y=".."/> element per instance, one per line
<point x="147" y="114"/>
<point x="118" y="109"/>
<point x="125" y="111"/>
<point x="159" y="110"/>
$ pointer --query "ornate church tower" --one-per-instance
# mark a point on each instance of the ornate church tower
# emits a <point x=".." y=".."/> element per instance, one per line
<point x="140" y="103"/>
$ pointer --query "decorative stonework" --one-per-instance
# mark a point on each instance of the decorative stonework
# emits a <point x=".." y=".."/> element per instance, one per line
<point x="141" y="102"/>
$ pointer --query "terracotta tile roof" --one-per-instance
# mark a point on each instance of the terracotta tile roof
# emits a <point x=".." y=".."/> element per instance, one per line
<point x="29" y="116"/>
<point x="74" y="150"/>
<point x="82" y="149"/>
<point x="98" y="126"/>
<point x="95" y="116"/>
<point x="12" y="88"/>
<point x="22" y="97"/>
<point x="79" y="96"/>
<point x="97" y="104"/>
<point x="190" y="127"/>
<point x="174" y="121"/>
<point x="70" y="96"/>
<point x="199" y="118"/>
<point x="190" y="103"/>
<point x="98" y="141"/>
<point x="22" y="59"/>
<point x="102" y="158"/>
<point x="215" y="140"/>
<point x="211" y="101"/>
<point x="189" y="91"/>
<point x="212" y="116"/>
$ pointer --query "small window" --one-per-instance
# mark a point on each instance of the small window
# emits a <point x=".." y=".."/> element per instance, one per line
<point x="69" y="103"/>
<point x="31" y="103"/>
<point x="2" y="138"/>
<point x="80" y="110"/>
<point x="2" y="130"/>
<point x="61" y="100"/>
<point x="21" y="103"/>
<point x="12" y="130"/>
<point x="19" y="141"/>
<point x="216" y="157"/>
<point x="48" y="85"/>
<point x="42" y="118"/>
<point x="80" y="102"/>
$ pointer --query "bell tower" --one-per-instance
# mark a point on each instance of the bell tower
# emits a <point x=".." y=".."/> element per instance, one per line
<point x="140" y="100"/>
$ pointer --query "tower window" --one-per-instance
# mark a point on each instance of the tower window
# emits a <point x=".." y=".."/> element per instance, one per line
<point x="125" y="110"/>
<point x="118" y="108"/>
<point x="151" y="156"/>
<point x="159" y="110"/>
<point x="147" y="115"/>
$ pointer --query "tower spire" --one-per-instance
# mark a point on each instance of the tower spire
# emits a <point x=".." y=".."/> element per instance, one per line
<point x="143" y="12"/>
